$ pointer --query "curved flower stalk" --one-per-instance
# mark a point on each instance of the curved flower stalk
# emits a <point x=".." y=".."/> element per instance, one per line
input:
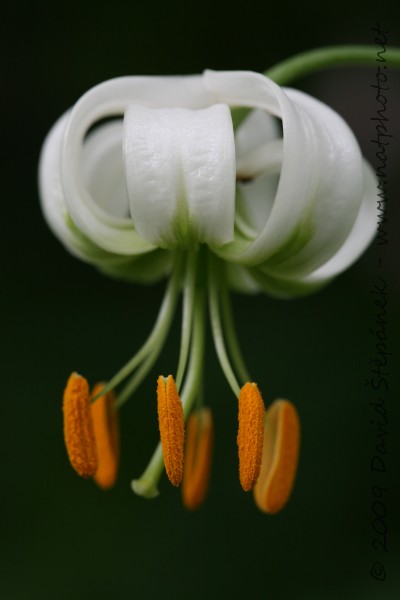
<point x="146" y="177"/>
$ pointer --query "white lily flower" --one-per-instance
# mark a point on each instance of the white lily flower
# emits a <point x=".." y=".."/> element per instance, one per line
<point x="166" y="179"/>
<point x="146" y="176"/>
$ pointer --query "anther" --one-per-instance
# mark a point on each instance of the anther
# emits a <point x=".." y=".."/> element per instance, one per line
<point x="78" y="427"/>
<point x="198" y="450"/>
<point x="280" y="457"/>
<point x="106" y="432"/>
<point x="250" y="434"/>
<point x="172" y="428"/>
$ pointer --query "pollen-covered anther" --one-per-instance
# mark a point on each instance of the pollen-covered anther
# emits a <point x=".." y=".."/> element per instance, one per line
<point x="198" y="451"/>
<point x="280" y="457"/>
<point x="250" y="434"/>
<point x="172" y="428"/>
<point x="106" y="432"/>
<point x="78" y="427"/>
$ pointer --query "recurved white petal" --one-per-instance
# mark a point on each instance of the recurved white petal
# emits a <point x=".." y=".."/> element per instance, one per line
<point x="110" y="99"/>
<point x="50" y="189"/>
<point x="180" y="174"/>
<point x="321" y="180"/>
<point x="102" y="173"/>
<point x="360" y="237"/>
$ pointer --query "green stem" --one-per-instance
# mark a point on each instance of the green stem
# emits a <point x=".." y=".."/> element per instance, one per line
<point x="147" y="484"/>
<point x="158" y="334"/>
<point x="232" y="338"/>
<point x="193" y="380"/>
<point x="331" y="56"/>
<point x="140" y="374"/>
<point x="189" y="296"/>
<point x="216" y="325"/>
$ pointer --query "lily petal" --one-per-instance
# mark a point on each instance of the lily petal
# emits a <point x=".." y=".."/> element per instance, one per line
<point x="361" y="235"/>
<point x="321" y="181"/>
<point x="180" y="174"/>
<point x="146" y="267"/>
<point x="50" y="189"/>
<point x="104" y="101"/>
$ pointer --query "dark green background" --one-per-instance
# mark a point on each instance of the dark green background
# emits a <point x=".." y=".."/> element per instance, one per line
<point x="61" y="537"/>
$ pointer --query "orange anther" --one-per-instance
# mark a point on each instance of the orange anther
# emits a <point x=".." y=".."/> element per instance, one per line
<point x="198" y="450"/>
<point x="280" y="457"/>
<point x="172" y="428"/>
<point x="250" y="434"/>
<point x="78" y="427"/>
<point x="106" y="432"/>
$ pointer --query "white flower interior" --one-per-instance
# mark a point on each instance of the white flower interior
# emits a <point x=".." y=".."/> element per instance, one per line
<point x="103" y="169"/>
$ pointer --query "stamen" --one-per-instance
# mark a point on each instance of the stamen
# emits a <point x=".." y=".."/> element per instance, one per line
<point x="146" y="484"/>
<point x="198" y="450"/>
<point x="106" y="431"/>
<point x="250" y="434"/>
<point x="171" y="423"/>
<point x="280" y="457"/>
<point x="78" y="427"/>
